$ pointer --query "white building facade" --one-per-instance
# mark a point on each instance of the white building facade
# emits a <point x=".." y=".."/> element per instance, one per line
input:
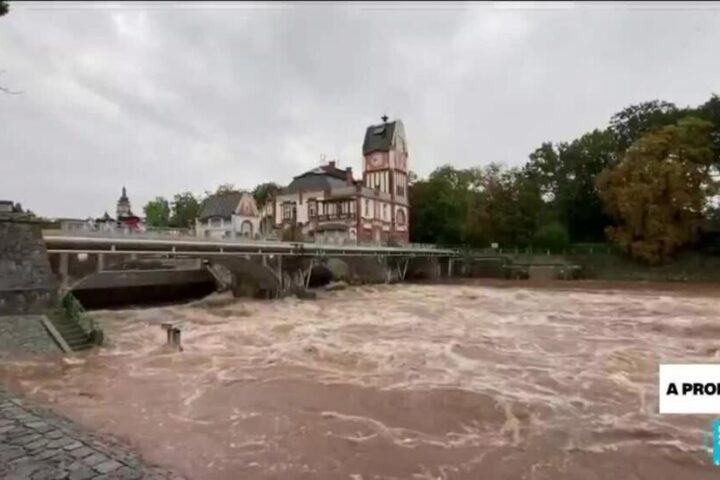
<point x="229" y="215"/>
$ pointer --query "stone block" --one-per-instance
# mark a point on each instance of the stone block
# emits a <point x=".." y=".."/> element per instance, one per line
<point x="82" y="473"/>
<point x="108" y="466"/>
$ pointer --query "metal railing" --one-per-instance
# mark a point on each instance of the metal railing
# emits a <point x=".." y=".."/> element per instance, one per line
<point x="189" y="235"/>
<point x="334" y="216"/>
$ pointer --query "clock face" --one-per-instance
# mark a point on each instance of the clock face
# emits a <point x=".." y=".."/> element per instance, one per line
<point x="376" y="161"/>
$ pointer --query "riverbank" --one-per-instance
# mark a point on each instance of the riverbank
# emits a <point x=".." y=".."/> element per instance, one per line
<point x="692" y="289"/>
<point x="36" y="443"/>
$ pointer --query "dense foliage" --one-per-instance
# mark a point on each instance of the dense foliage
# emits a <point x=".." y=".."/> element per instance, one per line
<point x="185" y="207"/>
<point x="645" y="183"/>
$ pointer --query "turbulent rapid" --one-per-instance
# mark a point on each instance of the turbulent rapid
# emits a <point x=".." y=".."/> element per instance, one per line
<point x="398" y="382"/>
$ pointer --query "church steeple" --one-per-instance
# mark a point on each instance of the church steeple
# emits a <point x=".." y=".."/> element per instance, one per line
<point x="123" y="205"/>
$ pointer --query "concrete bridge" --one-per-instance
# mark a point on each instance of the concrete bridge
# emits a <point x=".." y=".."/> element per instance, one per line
<point x="257" y="268"/>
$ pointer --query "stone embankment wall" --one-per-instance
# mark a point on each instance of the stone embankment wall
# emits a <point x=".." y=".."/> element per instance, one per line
<point x="27" y="285"/>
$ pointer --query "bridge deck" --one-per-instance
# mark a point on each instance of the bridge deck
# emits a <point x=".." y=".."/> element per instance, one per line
<point x="67" y="242"/>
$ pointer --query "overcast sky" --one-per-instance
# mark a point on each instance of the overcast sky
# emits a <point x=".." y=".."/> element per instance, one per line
<point x="173" y="97"/>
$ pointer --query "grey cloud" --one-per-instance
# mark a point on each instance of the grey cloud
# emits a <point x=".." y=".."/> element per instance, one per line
<point x="173" y="98"/>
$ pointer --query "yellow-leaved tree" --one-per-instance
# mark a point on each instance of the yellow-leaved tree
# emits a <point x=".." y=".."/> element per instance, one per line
<point x="657" y="193"/>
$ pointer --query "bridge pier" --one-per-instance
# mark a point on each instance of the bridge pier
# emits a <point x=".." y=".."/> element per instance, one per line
<point x="63" y="270"/>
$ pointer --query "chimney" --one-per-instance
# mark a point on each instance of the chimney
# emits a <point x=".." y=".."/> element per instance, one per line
<point x="349" y="175"/>
<point x="331" y="164"/>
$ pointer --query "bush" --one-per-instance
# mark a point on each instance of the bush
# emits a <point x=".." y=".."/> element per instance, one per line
<point x="553" y="236"/>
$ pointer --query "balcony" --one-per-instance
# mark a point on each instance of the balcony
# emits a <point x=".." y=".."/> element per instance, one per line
<point x="328" y="217"/>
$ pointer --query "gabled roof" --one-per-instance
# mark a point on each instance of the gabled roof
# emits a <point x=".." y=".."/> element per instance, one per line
<point x="247" y="206"/>
<point x="220" y="205"/>
<point x="224" y="205"/>
<point x="379" y="138"/>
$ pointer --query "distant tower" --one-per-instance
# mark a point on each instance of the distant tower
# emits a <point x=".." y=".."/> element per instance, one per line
<point x="123" y="205"/>
<point x="385" y="166"/>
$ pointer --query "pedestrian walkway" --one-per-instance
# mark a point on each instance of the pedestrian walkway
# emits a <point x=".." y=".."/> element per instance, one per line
<point x="36" y="444"/>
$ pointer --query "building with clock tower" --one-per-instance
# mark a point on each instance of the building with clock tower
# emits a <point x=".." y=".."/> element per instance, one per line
<point x="330" y="206"/>
<point x="385" y="170"/>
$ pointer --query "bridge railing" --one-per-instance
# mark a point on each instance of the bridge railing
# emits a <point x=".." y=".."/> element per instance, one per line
<point x="189" y="235"/>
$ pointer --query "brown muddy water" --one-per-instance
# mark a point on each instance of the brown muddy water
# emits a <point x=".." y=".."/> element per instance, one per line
<point x="398" y="382"/>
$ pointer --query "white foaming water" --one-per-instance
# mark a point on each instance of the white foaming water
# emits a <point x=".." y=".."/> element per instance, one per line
<point x="398" y="382"/>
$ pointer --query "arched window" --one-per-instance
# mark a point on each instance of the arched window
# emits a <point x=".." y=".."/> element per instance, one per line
<point x="400" y="216"/>
<point x="246" y="229"/>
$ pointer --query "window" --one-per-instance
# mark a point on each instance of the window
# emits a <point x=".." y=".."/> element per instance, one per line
<point x="400" y="217"/>
<point x="384" y="211"/>
<point x="288" y="211"/>
<point x="367" y="207"/>
<point x="312" y="208"/>
<point x="215" y="222"/>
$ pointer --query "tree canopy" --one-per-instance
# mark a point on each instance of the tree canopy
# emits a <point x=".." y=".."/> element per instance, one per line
<point x="185" y="210"/>
<point x="643" y="183"/>
<point x="264" y="192"/>
<point x="659" y="192"/>
<point x="157" y="212"/>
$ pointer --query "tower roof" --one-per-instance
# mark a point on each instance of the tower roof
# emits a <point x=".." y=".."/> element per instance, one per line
<point x="379" y="137"/>
<point x="123" y="197"/>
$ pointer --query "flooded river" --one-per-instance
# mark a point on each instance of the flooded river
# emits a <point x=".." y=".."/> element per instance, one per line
<point x="398" y="382"/>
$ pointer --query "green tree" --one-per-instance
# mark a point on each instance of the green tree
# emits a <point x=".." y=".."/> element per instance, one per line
<point x="710" y="111"/>
<point x="440" y="205"/>
<point x="4" y="8"/>
<point x="633" y="122"/>
<point x="659" y="191"/>
<point x="553" y="236"/>
<point x="225" y="188"/>
<point x="157" y="212"/>
<point x="185" y="210"/>
<point x="264" y="192"/>
<point x="566" y="175"/>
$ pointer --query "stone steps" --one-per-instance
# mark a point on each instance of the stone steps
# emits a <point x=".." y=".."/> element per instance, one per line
<point x="72" y="333"/>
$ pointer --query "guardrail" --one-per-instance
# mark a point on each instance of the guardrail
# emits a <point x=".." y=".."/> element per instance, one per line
<point x="188" y="235"/>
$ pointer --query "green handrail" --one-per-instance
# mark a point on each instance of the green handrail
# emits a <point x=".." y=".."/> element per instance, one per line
<point x="74" y="310"/>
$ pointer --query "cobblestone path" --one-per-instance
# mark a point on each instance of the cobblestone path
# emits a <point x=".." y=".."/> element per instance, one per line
<point x="36" y="444"/>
